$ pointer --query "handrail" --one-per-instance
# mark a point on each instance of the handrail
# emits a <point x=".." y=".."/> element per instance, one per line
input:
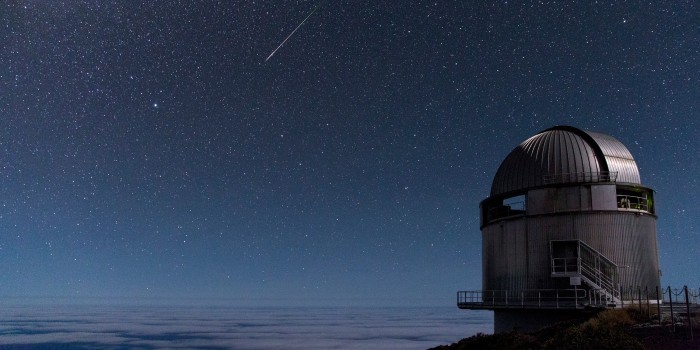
<point x="632" y="202"/>
<point x="602" y="279"/>
<point x="596" y="252"/>
<point x="595" y="176"/>
<point x="506" y="210"/>
<point x="532" y="298"/>
<point x="596" y="270"/>
<point x="565" y="265"/>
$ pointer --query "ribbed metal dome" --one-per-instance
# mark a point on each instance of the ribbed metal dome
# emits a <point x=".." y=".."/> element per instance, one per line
<point x="565" y="154"/>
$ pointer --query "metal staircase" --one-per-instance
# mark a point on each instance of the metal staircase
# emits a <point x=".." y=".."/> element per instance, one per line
<point x="577" y="260"/>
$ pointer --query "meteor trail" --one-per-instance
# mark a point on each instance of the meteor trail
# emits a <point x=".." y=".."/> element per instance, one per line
<point x="292" y="33"/>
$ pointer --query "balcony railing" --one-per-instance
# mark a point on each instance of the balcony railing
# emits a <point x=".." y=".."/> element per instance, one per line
<point x="529" y="299"/>
<point x="633" y="202"/>
<point x="565" y="267"/>
<point x="600" y="176"/>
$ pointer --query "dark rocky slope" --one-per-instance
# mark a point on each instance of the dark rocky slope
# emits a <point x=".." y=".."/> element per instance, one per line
<point x="610" y="329"/>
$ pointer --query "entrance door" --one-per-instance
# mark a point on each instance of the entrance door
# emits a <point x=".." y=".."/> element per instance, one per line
<point x="565" y="257"/>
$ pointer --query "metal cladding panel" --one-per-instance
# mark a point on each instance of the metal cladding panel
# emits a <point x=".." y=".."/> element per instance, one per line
<point x="610" y="145"/>
<point x="548" y="200"/>
<point x="618" y="157"/>
<point x="540" y="201"/>
<point x="504" y="256"/>
<point x="518" y="251"/>
<point x="547" y="153"/>
<point x="603" y="197"/>
<point x="626" y="169"/>
<point x="629" y="240"/>
<point x="563" y="151"/>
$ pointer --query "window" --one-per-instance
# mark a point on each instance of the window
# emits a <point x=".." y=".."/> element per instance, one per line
<point x="503" y="207"/>
<point x="635" y="198"/>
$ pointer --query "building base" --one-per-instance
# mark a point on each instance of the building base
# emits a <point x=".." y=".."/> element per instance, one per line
<point x="530" y="320"/>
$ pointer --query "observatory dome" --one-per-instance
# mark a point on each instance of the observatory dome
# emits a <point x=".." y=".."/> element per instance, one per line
<point x="565" y="154"/>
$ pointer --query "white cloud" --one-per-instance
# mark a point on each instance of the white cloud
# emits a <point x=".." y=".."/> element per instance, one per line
<point x="241" y="328"/>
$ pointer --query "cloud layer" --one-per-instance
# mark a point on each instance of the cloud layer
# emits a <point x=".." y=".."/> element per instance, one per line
<point x="148" y="327"/>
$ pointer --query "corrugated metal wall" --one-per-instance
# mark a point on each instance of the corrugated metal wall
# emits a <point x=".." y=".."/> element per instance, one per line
<point x="505" y="256"/>
<point x="516" y="252"/>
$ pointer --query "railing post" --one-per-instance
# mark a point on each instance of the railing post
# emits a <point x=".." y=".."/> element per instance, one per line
<point x="639" y="293"/>
<point x="658" y="304"/>
<point x="646" y="292"/>
<point x="622" y="298"/>
<point x="593" y="294"/>
<point x="578" y="263"/>
<point x="670" y="302"/>
<point x="687" y="311"/>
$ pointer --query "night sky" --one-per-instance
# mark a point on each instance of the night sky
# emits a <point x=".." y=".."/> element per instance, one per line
<point x="148" y="150"/>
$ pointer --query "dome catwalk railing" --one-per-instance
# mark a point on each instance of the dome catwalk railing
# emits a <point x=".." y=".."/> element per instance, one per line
<point x="563" y="178"/>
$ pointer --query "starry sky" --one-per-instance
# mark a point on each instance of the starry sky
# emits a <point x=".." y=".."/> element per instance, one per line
<point x="148" y="150"/>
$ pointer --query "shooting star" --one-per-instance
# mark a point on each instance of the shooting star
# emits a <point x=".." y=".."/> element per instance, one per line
<point x="292" y="33"/>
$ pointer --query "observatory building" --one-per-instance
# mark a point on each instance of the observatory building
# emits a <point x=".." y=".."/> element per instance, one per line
<point x="568" y="228"/>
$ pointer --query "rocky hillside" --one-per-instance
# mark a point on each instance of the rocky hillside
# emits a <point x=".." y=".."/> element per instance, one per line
<point x="611" y="329"/>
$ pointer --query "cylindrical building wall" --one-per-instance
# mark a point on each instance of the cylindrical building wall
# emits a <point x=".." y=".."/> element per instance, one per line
<point x="516" y="252"/>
